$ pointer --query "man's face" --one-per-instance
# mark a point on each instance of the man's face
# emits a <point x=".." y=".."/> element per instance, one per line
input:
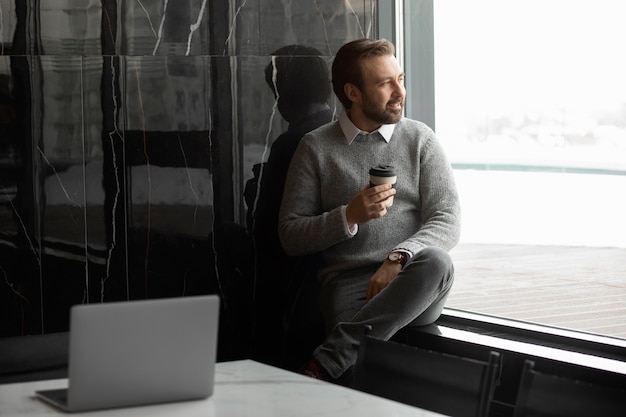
<point x="383" y="93"/>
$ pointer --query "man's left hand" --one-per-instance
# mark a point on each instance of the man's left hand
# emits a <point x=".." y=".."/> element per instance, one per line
<point x="381" y="278"/>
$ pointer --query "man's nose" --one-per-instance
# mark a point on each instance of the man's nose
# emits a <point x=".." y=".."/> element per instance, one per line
<point x="399" y="89"/>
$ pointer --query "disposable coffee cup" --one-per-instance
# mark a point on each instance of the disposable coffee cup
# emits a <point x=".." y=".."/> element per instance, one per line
<point x="383" y="174"/>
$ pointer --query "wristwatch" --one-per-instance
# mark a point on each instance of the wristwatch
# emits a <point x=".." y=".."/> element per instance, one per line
<point x="398" y="258"/>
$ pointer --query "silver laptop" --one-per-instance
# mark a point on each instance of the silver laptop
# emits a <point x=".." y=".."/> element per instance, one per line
<point x="132" y="353"/>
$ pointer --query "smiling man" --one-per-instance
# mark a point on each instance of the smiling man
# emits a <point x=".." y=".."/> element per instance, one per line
<point x="383" y="265"/>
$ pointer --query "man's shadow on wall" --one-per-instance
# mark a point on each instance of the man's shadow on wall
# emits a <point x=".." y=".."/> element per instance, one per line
<point x="287" y="322"/>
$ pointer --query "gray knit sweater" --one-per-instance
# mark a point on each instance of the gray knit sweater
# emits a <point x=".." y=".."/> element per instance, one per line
<point x="326" y="173"/>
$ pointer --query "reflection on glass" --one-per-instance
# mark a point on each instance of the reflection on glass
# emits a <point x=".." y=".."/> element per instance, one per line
<point x="127" y="133"/>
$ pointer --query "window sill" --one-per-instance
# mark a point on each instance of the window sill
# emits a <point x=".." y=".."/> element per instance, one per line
<point x="534" y="334"/>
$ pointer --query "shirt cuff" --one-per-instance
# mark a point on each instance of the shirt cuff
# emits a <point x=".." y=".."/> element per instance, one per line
<point x="351" y="230"/>
<point x="407" y="252"/>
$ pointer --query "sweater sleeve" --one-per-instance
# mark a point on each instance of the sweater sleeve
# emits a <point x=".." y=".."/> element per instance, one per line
<point x="440" y="208"/>
<point x="303" y="227"/>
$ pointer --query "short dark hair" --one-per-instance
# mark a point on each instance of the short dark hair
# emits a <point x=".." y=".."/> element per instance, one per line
<point x="348" y="64"/>
<point x="299" y="75"/>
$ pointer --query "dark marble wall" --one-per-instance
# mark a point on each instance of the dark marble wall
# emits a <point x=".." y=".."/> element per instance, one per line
<point x="128" y="130"/>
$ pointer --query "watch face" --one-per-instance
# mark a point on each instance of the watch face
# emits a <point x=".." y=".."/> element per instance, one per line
<point x="394" y="256"/>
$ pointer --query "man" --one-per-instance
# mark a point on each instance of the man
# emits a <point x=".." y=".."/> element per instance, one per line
<point x="385" y="266"/>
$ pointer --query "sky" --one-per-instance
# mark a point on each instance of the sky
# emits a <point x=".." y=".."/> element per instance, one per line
<point x="556" y="63"/>
<point x="551" y="68"/>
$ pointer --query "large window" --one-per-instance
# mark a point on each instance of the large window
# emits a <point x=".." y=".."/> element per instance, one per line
<point x="529" y="99"/>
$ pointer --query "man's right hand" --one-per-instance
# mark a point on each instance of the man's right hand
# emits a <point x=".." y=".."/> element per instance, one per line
<point x="370" y="203"/>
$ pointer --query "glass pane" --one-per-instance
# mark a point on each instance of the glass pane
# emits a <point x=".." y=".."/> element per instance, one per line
<point x="530" y="103"/>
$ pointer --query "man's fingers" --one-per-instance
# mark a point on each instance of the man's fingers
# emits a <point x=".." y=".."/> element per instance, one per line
<point x="382" y="195"/>
<point x="378" y="210"/>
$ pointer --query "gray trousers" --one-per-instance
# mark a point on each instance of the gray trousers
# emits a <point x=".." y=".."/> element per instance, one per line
<point x="415" y="297"/>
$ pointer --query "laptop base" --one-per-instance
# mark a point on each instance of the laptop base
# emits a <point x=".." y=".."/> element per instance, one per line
<point x="54" y="397"/>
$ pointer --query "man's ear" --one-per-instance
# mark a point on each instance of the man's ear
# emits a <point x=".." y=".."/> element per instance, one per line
<point x="352" y="92"/>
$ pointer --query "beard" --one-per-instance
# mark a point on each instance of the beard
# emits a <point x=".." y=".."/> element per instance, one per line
<point x="382" y="114"/>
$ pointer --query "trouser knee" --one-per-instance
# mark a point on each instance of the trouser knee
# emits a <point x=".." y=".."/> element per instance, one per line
<point x="436" y="264"/>
<point x="434" y="261"/>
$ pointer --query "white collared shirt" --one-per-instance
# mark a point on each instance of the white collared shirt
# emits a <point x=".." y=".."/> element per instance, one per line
<point x="350" y="131"/>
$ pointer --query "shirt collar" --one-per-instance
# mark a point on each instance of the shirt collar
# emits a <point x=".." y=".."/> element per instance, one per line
<point x="350" y="131"/>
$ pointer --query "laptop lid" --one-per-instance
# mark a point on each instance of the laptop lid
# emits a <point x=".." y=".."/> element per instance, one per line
<point x="141" y="352"/>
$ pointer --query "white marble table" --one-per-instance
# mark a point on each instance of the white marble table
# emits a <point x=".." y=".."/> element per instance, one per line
<point x="242" y="388"/>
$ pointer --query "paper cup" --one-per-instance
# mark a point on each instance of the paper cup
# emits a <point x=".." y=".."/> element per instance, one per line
<point x="383" y="174"/>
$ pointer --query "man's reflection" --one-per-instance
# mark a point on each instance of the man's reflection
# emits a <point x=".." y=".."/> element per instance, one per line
<point x="300" y="81"/>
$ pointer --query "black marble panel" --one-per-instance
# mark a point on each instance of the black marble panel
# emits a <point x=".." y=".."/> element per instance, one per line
<point x="128" y="133"/>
